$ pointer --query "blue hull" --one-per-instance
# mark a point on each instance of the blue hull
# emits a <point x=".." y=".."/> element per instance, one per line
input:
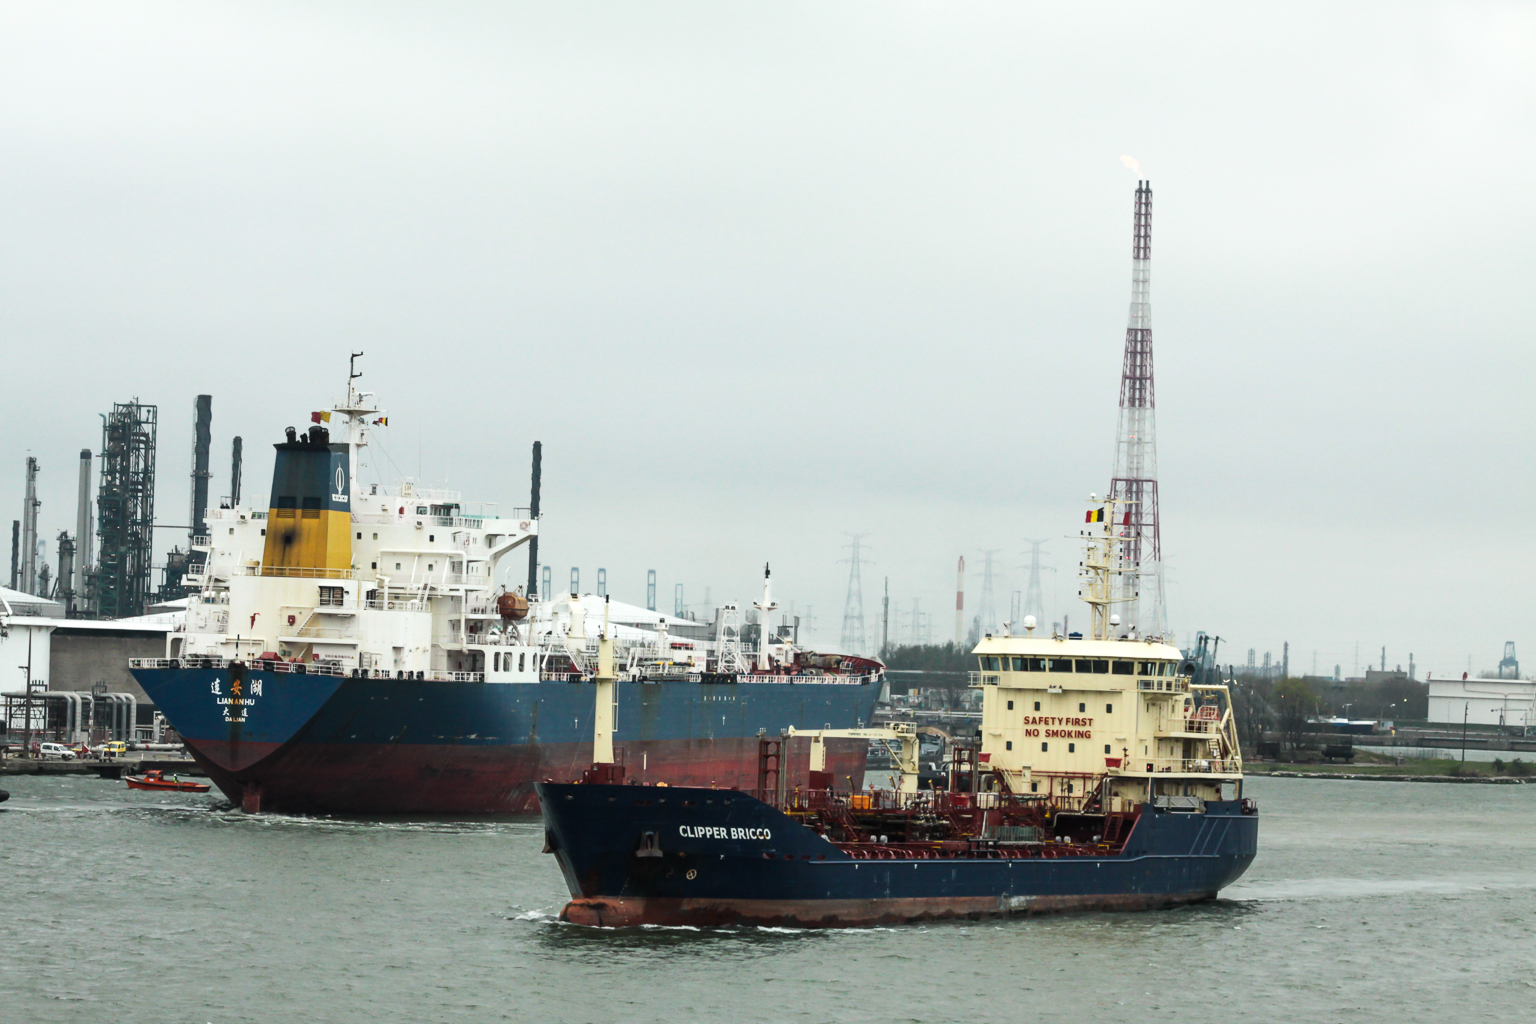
<point x="633" y="855"/>
<point x="318" y="743"/>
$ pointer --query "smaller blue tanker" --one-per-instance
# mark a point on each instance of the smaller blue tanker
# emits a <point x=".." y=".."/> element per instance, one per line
<point x="1105" y="778"/>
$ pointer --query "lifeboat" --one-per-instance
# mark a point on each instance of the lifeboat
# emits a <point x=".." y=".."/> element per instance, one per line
<point x="157" y="780"/>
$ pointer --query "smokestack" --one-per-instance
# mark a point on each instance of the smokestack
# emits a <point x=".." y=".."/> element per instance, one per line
<point x="960" y="603"/>
<point x="533" y="513"/>
<point x="29" y="531"/>
<point x="82" y="526"/>
<point x="202" y="439"/>
<point x="234" y="472"/>
<point x="15" y="554"/>
<point x="66" y="579"/>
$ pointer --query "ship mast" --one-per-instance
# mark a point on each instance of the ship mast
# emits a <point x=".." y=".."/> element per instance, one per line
<point x="1101" y="567"/>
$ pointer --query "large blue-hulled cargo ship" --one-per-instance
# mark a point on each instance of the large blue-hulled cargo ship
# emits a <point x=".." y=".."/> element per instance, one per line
<point x="356" y="648"/>
<point x="316" y="742"/>
<point x="705" y="857"/>
<point x="1105" y="777"/>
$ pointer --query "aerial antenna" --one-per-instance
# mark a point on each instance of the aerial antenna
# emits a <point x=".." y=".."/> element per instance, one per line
<point x="352" y="371"/>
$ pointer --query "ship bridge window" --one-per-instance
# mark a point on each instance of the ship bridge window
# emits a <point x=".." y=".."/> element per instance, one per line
<point x="1029" y="664"/>
<point x="1060" y="665"/>
<point x="1096" y="665"/>
<point x="1120" y="667"/>
<point x="989" y="664"/>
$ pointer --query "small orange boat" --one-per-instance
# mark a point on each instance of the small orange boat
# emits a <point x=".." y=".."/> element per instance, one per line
<point x="157" y="780"/>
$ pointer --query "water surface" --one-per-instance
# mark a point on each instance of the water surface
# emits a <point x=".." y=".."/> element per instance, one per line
<point x="1369" y="902"/>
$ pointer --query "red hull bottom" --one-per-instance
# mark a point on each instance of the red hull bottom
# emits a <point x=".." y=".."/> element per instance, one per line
<point x="621" y="912"/>
<point x="317" y="778"/>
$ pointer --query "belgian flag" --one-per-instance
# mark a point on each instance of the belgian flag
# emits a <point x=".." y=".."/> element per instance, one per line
<point x="1096" y="516"/>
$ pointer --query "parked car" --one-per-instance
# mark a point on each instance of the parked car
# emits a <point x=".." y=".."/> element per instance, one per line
<point x="58" y="750"/>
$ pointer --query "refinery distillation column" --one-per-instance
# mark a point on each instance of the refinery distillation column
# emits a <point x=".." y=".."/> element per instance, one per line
<point x="1141" y="597"/>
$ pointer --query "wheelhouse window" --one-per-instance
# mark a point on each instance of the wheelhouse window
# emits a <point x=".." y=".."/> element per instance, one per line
<point x="1061" y="665"/>
<point x="989" y="663"/>
<point x="1029" y="664"/>
<point x="1095" y="665"/>
<point x="1120" y="667"/>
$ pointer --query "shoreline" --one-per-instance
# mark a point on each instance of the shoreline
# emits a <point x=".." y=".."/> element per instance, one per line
<point x="1495" y="780"/>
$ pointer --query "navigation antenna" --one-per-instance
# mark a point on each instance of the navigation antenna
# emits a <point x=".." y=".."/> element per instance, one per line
<point x="352" y="374"/>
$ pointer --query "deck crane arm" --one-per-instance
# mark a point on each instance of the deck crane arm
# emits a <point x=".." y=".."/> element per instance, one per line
<point x="901" y="732"/>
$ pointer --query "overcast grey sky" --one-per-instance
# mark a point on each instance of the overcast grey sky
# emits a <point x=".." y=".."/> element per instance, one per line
<point x="761" y="275"/>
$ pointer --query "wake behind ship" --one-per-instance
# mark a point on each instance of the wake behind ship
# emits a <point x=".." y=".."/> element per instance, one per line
<point x="348" y="651"/>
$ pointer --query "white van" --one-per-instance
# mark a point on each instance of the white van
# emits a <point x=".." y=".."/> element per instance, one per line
<point x="58" y="750"/>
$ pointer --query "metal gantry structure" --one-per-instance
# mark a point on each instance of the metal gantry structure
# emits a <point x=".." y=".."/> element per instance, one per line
<point x="853" y="638"/>
<point x="1034" y="594"/>
<point x="125" y="509"/>
<point x="1140" y="596"/>
<point x="986" y="610"/>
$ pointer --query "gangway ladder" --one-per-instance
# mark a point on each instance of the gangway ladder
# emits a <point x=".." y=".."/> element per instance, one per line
<point x="770" y="761"/>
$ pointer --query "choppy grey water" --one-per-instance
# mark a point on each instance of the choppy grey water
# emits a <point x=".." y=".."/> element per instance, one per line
<point x="1369" y="902"/>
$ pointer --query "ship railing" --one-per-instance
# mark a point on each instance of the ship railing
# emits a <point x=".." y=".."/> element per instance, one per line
<point x="1203" y="726"/>
<point x="400" y="604"/>
<point x="1163" y="685"/>
<point x="233" y="515"/>
<point x="929" y="801"/>
<point x="1183" y="765"/>
<point x="983" y="678"/>
<point x="457" y="636"/>
<point x="312" y="668"/>
<point x="816" y="680"/>
<point x="302" y="572"/>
